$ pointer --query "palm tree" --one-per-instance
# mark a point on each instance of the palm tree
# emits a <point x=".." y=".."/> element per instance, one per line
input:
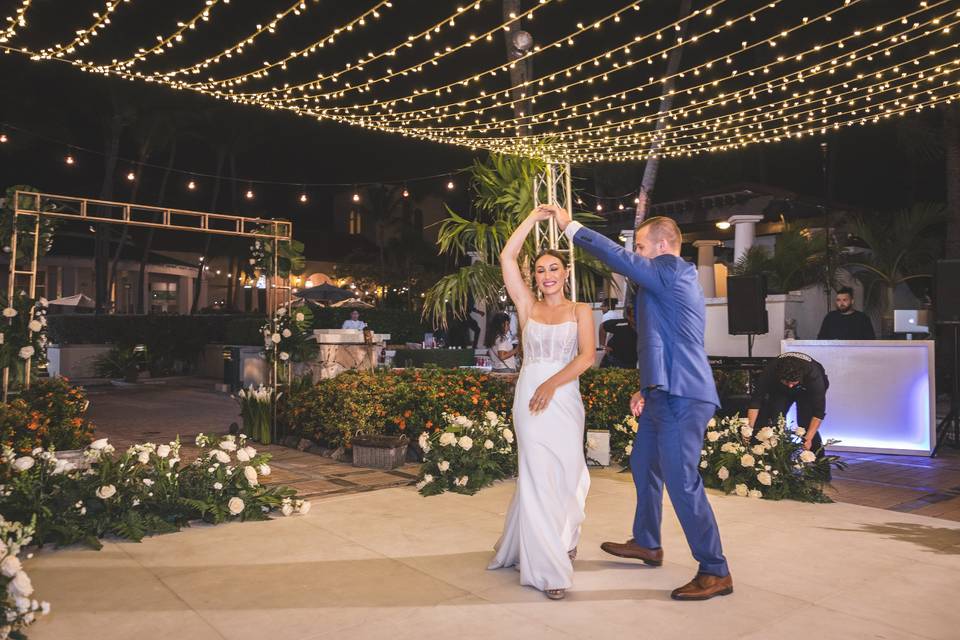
<point x="652" y="166"/>
<point x="503" y="196"/>
<point x="900" y="248"/>
<point x="797" y="260"/>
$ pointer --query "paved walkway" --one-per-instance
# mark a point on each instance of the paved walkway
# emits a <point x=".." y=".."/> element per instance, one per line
<point x="186" y="407"/>
<point x="391" y="565"/>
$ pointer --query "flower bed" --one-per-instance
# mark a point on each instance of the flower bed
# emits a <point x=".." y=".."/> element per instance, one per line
<point x="48" y="414"/>
<point x="390" y="402"/>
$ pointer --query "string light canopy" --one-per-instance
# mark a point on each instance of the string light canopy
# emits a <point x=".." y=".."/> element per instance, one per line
<point x="753" y="71"/>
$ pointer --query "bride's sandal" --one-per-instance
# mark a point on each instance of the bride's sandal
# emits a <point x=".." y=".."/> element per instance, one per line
<point x="572" y="554"/>
<point x="556" y="594"/>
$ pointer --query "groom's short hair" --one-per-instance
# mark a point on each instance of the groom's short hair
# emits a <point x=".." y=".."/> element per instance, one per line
<point x="663" y="228"/>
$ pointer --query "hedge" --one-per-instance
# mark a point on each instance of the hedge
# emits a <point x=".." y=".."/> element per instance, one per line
<point x="447" y="358"/>
<point x="414" y="400"/>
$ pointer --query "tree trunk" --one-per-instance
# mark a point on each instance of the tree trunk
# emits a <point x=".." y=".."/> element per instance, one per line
<point x="142" y="155"/>
<point x="522" y="70"/>
<point x="221" y="156"/>
<point x="101" y="243"/>
<point x="148" y="244"/>
<point x="666" y="103"/>
<point x="951" y="127"/>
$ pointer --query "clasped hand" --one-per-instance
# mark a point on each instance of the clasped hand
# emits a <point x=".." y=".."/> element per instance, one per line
<point x="545" y="211"/>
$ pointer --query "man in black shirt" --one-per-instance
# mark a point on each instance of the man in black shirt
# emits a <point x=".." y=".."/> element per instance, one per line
<point x="846" y="323"/>
<point x="621" y="348"/>
<point x="792" y="377"/>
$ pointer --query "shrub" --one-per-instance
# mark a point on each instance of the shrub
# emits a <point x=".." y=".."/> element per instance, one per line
<point x="467" y="454"/>
<point x="49" y="413"/>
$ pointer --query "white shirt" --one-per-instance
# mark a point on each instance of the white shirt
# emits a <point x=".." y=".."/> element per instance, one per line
<point x="354" y="324"/>
<point x="504" y="343"/>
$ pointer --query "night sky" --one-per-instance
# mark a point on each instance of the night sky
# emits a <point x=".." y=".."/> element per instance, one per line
<point x="871" y="168"/>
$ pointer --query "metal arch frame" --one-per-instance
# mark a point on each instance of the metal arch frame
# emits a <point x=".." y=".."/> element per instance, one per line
<point x="136" y="215"/>
<point x="555" y="180"/>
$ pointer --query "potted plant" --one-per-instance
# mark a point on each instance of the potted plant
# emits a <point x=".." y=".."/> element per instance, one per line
<point x="120" y="363"/>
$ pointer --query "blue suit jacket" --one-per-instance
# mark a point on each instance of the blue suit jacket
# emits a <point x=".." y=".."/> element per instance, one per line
<point x="670" y="315"/>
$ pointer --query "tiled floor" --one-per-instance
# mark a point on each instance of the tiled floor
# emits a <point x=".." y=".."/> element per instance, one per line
<point x="909" y="484"/>
<point x="392" y="565"/>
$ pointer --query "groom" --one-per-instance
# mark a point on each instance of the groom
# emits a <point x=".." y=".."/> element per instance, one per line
<point x="677" y="397"/>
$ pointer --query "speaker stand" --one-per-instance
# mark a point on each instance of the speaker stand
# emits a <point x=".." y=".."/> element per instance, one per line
<point x="952" y="420"/>
<point x="750" y="338"/>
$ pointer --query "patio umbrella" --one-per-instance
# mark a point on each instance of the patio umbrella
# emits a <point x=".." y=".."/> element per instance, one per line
<point x="324" y="293"/>
<point x="353" y="303"/>
<point x="77" y="301"/>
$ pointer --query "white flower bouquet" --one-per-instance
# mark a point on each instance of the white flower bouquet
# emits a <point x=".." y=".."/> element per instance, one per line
<point x="18" y="606"/>
<point x="256" y="410"/>
<point x="467" y="455"/>
<point x="770" y="463"/>
<point x="288" y="335"/>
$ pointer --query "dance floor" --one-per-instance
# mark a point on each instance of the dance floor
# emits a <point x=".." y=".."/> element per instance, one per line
<point x="392" y="565"/>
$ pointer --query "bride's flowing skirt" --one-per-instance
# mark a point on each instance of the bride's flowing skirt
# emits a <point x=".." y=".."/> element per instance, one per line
<point x="544" y="518"/>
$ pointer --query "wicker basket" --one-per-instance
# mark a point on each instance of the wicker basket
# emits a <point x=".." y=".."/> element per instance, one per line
<point x="379" y="452"/>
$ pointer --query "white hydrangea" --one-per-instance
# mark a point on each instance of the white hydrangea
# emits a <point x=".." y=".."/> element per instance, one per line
<point x="807" y="457"/>
<point x="106" y="492"/>
<point x="466" y="443"/>
<point x="461" y="481"/>
<point x="755" y="493"/>
<point x="759" y="449"/>
<point x="492" y="418"/>
<point x="765" y="434"/>
<point x="447" y="438"/>
<point x="747" y="460"/>
<point x="507" y="435"/>
<point x="424" y="442"/>
<point x="443" y="466"/>
<point x="741" y="490"/>
<point x="713" y="436"/>
<point x="764" y="478"/>
<point x="488" y="444"/>
<point x="722" y="473"/>
<point x="235" y="505"/>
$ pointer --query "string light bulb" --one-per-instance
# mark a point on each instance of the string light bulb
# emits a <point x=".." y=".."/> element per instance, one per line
<point x="69" y="159"/>
<point x="723" y="225"/>
<point x="406" y="193"/>
<point x="356" y="195"/>
<point x="131" y="176"/>
<point x="620" y="206"/>
<point x="3" y="138"/>
<point x="303" y="198"/>
<point x="192" y="185"/>
<point x="450" y="185"/>
<point x="249" y="194"/>
<point x="599" y="207"/>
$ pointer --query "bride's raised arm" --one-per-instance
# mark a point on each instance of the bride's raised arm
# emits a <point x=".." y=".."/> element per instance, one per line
<point x="512" y="276"/>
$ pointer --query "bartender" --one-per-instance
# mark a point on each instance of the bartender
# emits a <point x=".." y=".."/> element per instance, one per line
<point x="792" y="378"/>
<point x="845" y="322"/>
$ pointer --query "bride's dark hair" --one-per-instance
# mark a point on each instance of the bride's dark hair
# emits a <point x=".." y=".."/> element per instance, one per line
<point x="559" y="255"/>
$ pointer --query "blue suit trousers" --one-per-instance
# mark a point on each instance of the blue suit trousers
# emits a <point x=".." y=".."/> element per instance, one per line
<point x="667" y="451"/>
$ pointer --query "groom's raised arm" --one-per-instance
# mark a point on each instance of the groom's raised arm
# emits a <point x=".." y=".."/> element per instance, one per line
<point x="642" y="270"/>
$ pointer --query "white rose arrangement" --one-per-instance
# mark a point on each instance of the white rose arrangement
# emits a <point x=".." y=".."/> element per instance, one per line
<point x="455" y="460"/>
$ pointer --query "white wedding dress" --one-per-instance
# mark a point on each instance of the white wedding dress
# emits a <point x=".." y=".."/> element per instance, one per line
<point x="543" y="521"/>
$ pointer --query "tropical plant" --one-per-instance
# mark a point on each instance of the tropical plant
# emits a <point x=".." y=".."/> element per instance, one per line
<point x="797" y="260"/>
<point x="899" y="247"/>
<point x="25" y="224"/>
<point x="503" y="188"/>
<point x="121" y="362"/>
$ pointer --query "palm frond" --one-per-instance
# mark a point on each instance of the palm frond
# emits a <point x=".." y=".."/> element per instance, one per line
<point x="449" y="295"/>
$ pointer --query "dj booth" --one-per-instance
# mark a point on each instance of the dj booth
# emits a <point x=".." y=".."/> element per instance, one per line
<point x="882" y="396"/>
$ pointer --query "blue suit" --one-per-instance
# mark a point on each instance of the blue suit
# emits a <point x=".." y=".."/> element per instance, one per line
<point x="680" y="395"/>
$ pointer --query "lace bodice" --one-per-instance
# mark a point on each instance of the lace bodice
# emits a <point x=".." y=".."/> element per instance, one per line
<point x="549" y="342"/>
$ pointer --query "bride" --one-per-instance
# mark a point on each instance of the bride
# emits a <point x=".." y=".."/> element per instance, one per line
<point x="542" y="528"/>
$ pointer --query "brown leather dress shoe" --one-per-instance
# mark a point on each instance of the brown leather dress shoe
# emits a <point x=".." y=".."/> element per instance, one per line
<point x="703" y="587"/>
<point x="630" y="549"/>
